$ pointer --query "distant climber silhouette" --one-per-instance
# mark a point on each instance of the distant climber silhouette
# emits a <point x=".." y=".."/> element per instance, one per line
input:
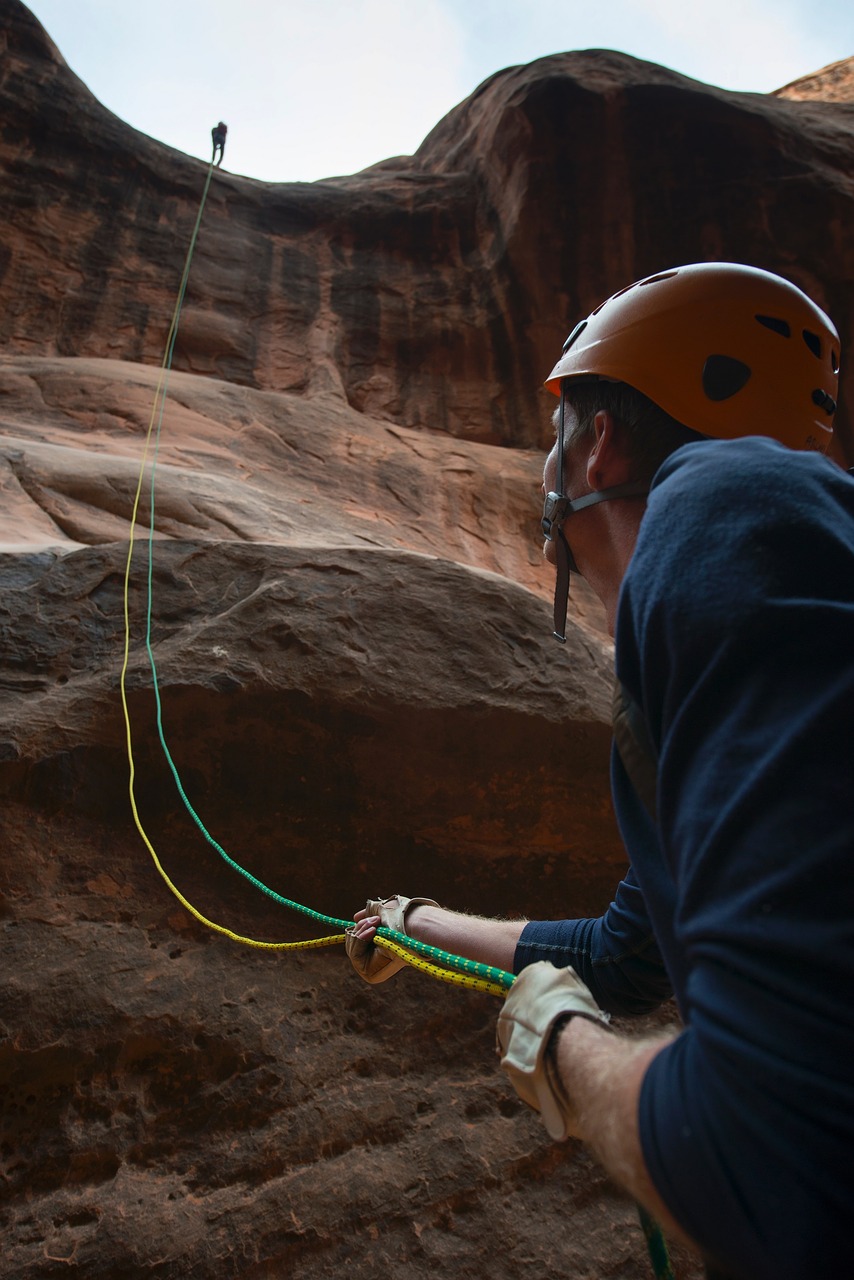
<point x="218" y="133"/>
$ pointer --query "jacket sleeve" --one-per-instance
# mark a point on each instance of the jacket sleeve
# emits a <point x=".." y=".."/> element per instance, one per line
<point x="616" y="955"/>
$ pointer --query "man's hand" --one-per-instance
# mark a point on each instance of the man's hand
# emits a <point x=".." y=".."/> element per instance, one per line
<point x="540" y="1001"/>
<point x="367" y="959"/>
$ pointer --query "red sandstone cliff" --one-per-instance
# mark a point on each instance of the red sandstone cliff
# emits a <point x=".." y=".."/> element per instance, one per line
<point x="432" y="290"/>
<point x="352" y="631"/>
<point x="833" y="83"/>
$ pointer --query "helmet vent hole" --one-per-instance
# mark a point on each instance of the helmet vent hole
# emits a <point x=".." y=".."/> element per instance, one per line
<point x="776" y="324"/>
<point x="573" y="337"/>
<point x="665" y="275"/>
<point x="724" y="376"/>
<point x="834" y="362"/>
<point x="813" y="341"/>
<point x="824" y="401"/>
<point x="612" y="298"/>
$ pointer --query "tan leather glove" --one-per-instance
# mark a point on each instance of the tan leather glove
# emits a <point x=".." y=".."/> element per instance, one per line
<point x="369" y="961"/>
<point x="540" y="998"/>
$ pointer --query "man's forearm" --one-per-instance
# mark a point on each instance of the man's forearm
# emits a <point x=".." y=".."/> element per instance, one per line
<point x="602" y="1073"/>
<point x="487" y="941"/>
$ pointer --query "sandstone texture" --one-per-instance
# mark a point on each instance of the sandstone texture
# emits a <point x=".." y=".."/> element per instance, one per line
<point x="433" y="290"/>
<point x="833" y="83"/>
<point x="350" y="621"/>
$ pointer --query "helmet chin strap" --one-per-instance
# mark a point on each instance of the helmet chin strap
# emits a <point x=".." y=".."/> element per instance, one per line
<point x="565" y="563"/>
<point x="557" y="509"/>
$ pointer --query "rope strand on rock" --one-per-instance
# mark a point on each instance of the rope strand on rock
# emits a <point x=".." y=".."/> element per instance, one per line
<point x="449" y="968"/>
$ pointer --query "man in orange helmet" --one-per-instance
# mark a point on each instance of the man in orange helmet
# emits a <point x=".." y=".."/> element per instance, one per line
<point x="688" y="486"/>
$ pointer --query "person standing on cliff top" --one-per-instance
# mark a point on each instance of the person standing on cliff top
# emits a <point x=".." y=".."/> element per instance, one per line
<point x="218" y="134"/>
<point x="687" y="485"/>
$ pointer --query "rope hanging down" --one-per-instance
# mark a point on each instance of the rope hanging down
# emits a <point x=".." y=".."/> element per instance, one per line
<point x="449" y="968"/>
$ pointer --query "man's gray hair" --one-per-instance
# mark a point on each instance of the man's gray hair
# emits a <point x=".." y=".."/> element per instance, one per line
<point x="650" y="433"/>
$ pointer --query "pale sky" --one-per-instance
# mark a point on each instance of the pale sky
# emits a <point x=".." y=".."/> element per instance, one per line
<point x="314" y="88"/>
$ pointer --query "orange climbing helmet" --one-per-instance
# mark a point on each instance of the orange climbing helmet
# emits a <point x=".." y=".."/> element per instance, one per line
<point x="725" y="349"/>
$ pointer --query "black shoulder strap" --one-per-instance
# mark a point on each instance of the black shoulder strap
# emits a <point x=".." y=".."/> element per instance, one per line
<point x="635" y="747"/>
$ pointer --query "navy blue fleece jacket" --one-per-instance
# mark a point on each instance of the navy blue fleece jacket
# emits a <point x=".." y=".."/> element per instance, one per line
<point x="735" y="635"/>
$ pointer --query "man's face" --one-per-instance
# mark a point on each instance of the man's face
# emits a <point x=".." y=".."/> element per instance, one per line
<point x="549" y="481"/>
<point x="573" y="468"/>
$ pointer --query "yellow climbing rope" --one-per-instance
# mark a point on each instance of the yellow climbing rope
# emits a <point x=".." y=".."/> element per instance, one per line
<point x="484" y="979"/>
<point x="156" y="414"/>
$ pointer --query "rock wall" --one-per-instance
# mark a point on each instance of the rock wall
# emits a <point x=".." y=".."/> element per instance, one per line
<point x="833" y="83"/>
<point x="434" y="290"/>
<point x="351" y="626"/>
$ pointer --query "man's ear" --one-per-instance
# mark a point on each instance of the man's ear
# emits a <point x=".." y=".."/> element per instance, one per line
<point x="608" y="464"/>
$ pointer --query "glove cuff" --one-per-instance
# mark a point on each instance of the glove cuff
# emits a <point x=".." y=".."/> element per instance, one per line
<point x="541" y="1001"/>
<point x="370" y="961"/>
<point x="395" y="917"/>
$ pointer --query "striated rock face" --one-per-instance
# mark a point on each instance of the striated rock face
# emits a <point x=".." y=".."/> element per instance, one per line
<point x="347" y="721"/>
<point x="833" y="83"/>
<point x="349" y="714"/>
<point x="433" y="290"/>
<point x="350" y="621"/>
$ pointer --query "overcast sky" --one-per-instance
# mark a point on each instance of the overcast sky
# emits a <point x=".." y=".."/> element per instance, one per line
<point x="313" y="88"/>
